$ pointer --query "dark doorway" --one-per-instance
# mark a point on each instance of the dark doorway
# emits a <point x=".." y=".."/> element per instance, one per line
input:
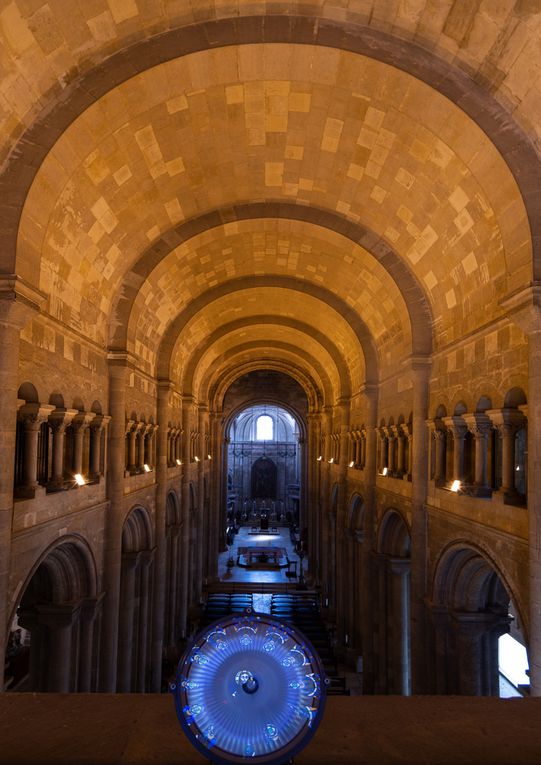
<point x="264" y="479"/>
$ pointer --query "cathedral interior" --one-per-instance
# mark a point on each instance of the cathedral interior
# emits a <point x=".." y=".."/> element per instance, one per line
<point x="270" y="268"/>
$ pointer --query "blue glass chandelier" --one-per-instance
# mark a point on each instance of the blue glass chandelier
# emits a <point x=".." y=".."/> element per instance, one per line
<point x="249" y="687"/>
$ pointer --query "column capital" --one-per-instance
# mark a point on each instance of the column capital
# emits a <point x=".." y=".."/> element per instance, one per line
<point x="33" y="415"/>
<point x="59" y="419"/>
<point x="117" y="357"/>
<point x="478" y="424"/>
<point x="523" y="307"/>
<point x="100" y="421"/>
<point x="419" y="363"/>
<point x="359" y="535"/>
<point x="399" y="566"/>
<point x="506" y="419"/>
<point x="82" y="420"/>
<point x="456" y="425"/>
<point x="20" y="301"/>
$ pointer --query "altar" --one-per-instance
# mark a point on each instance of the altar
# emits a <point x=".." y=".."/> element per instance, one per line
<point x="262" y="557"/>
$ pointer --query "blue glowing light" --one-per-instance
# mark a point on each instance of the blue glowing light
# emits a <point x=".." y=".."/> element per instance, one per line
<point x="250" y="687"/>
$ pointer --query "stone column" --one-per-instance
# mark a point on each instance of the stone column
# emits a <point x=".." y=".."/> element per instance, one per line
<point x="126" y="637"/>
<point x="358" y="604"/>
<point x="145" y="594"/>
<point x="440" y="437"/>
<point x="159" y="605"/>
<point x="507" y="422"/>
<point x="142" y="430"/>
<point x="119" y="365"/>
<point x="458" y="429"/>
<point x="80" y="423"/>
<point x="399" y="573"/>
<point x="59" y="620"/>
<point x="313" y="495"/>
<point x="477" y="662"/>
<point x="216" y="529"/>
<point x="187" y="404"/>
<point x="400" y="463"/>
<point x="19" y="302"/>
<point x="524" y="308"/>
<point x="175" y="538"/>
<point x="420" y="372"/>
<point x="89" y="611"/>
<point x="96" y="429"/>
<point x="368" y="579"/>
<point x="59" y="420"/>
<point x="132" y="430"/>
<point x="32" y="417"/>
<point x="480" y="426"/>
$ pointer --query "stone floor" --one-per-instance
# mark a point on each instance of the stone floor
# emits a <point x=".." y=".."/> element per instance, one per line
<point x="246" y="539"/>
<point x="87" y="729"/>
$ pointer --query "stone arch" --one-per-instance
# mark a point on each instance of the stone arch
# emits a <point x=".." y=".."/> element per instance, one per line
<point x="313" y="374"/>
<point x="417" y="305"/>
<point x="29" y="393"/>
<point x="356" y="514"/>
<point x="217" y="388"/>
<point x="281" y="321"/>
<point x="137" y="530"/>
<point x="321" y="293"/>
<point x="58" y="611"/>
<point x="514" y="398"/>
<point x="393" y="597"/>
<point x="467" y="578"/>
<point x="394" y="536"/>
<point x="135" y="606"/>
<point x="172" y="510"/>
<point x="508" y="137"/>
<point x="234" y="413"/>
<point x="471" y="598"/>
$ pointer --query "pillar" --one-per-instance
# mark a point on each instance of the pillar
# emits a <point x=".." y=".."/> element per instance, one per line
<point x="32" y="417"/>
<point x="398" y="622"/>
<point x="19" y="302"/>
<point x="420" y="371"/>
<point x="59" y="620"/>
<point x="458" y="429"/>
<point x="480" y="426"/>
<point x="96" y="428"/>
<point x="119" y="365"/>
<point x="59" y="420"/>
<point x="159" y="605"/>
<point x="145" y="594"/>
<point x="132" y="429"/>
<point x="524" y="308"/>
<point x="126" y="637"/>
<point x="80" y="423"/>
<point x="89" y="611"/>
<point x="368" y="579"/>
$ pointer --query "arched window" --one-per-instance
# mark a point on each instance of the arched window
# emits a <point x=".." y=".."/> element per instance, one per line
<point x="264" y="428"/>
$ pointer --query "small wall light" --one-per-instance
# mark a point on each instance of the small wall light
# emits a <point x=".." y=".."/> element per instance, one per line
<point x="351" y="463"/>
<point x="209" y="456"/>
<point x="146" y="468"/>
<point x="331" y="460"/>
<point x="455" y="486"/>
<point x="79" y="480"/>
<point x="178" y="461"/>
<point x="385" y="471"/>
<point x="319" y="458"/>
<point x="196" y="459"/>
